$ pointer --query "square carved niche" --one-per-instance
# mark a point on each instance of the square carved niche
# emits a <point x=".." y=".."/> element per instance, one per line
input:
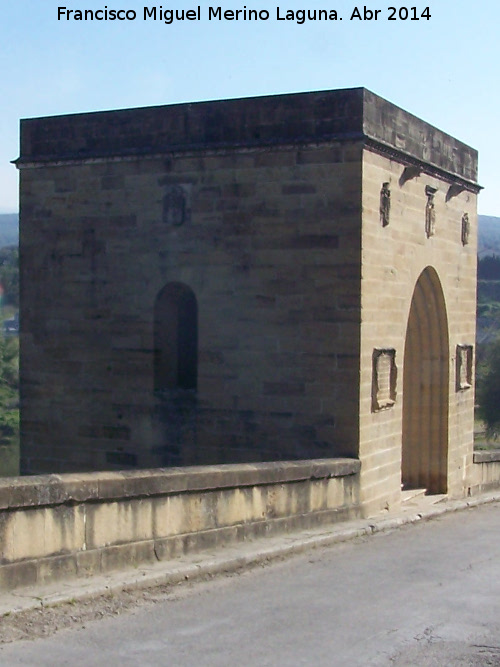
<point x="464" y="367"/>
<point x="384" y="379"/>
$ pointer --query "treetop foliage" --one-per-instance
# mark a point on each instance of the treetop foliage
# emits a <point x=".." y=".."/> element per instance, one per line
<point x="488" y="267"/>
<point x="9" y="275"/>
<point x="488" y="389"/>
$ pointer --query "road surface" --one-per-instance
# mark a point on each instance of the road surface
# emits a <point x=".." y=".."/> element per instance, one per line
<point x="425" y="594"/>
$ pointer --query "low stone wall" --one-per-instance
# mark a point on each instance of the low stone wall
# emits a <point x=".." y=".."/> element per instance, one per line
<point x="59" y="526"/>
<point x="486" y="470"/>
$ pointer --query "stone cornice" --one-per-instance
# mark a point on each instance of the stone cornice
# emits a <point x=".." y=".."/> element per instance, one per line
<point x="403" y="158"/>
<point x="369" y="143"/>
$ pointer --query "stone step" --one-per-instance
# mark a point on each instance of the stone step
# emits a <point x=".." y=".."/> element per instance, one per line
<point x="436" y="498"/>
<point x="412" y="494"/>
<point x="419" y="497"/>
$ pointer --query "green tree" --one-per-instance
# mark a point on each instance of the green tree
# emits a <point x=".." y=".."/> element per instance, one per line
<point x="9" y="275"/>
<point x="488" y="268"/>
<point x="488" y="390"/>
<point x="9" y="366"/>
<point x="9" y="406"/>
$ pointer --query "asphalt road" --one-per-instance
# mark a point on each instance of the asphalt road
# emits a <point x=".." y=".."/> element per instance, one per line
<point x="425" y="594"/>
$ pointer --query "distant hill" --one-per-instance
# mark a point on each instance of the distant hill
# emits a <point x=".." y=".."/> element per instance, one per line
<point x="9" y="229"/>
<point x="489" y="236"/>
<point x="489" y="233"/>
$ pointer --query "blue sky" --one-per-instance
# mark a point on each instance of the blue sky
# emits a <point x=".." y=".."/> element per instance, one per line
<point x="444" y="70"/>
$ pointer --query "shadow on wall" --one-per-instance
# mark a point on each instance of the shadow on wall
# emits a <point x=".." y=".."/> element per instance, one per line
<point x="175" y="419"/>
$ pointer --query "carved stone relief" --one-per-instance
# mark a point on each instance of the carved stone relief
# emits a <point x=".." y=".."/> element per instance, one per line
<point x="430" y="212"/>
<point x="465" y="229"/>
<point x="384" y="379"/>
<point x="464" y="367"/>
<point x="385" y="204"/>
<point x="175" y="205"/>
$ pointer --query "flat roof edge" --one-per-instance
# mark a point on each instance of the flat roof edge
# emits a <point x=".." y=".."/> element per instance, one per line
<point x="260" y="122"/>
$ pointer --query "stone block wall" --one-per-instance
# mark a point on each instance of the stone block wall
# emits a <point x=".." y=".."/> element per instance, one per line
<point x="270" y="246"/>
<point x="394" y="256"/>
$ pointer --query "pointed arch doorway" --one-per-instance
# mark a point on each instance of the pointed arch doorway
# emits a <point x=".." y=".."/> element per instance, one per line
<point x="426" y="388"/>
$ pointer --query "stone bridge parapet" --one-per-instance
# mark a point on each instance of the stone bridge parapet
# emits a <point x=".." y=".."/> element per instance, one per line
<point x="60" y="526"/>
